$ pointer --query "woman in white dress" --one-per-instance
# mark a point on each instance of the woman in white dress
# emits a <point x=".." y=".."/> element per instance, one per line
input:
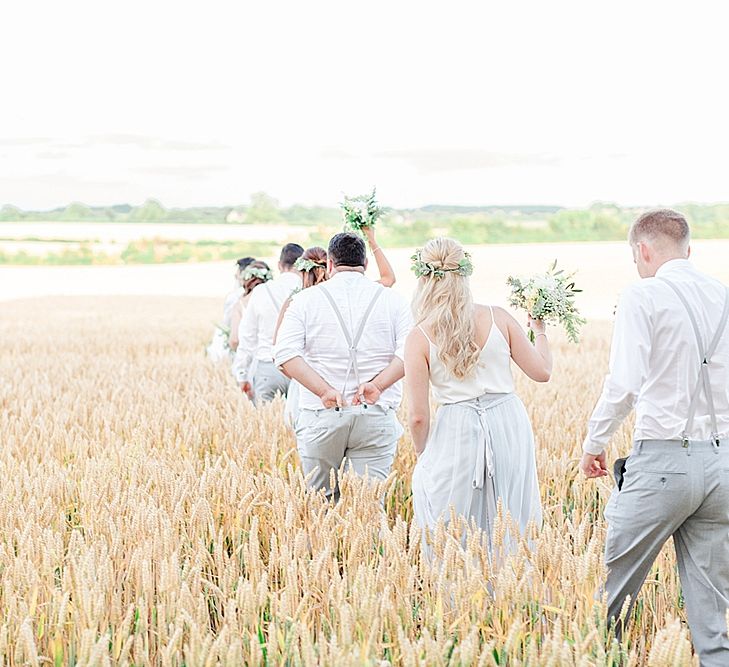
<point x="249" y="274"/>
<point x="254" y="274"/>
<point x="313" y="267"/>
<point x="480" y="448"/>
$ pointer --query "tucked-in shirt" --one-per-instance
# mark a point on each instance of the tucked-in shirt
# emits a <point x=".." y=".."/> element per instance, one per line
<point x="311" y="330"/>
<point x="258" y="324"/>
<point x="654" y="360"/>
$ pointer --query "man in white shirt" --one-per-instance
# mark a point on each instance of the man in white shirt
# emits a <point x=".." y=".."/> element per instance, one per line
<point x="670" y="361"/>
<point x="343" y="341"/>
<point x="253" y="365"/>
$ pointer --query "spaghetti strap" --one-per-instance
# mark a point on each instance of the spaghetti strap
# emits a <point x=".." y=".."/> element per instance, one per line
<point x="422" y="331"/>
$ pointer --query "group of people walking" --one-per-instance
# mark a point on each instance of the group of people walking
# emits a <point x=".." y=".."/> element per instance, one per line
<point x="339" y="345"/>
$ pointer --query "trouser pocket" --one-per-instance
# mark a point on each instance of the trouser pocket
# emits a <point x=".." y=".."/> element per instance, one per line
<point x="619" y="471"/>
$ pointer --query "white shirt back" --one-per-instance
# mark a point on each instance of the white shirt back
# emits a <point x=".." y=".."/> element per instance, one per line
<point x="311" y="330"/>
<point x="654" y="359"/>
<point x="258" y="324"/>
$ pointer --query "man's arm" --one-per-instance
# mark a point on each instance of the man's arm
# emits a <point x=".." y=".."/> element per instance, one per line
<point x="289" y="357"/>
<point x="629" y="360"/>
<point x="247" y="341"/>
<point x="369" y="392"/>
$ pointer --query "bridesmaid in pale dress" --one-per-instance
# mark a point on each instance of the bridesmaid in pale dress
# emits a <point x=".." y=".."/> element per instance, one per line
<point x="251" y="276"/>
<point x="480" y="448"/>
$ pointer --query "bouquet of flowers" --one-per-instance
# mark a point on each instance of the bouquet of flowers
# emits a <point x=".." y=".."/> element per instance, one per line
<point x="362" y="211"/>
<point x="224" y="333"/>
<point x="550" y="297"/>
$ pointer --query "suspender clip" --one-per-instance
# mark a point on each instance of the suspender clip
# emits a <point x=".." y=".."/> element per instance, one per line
<point x="685" y="442"/>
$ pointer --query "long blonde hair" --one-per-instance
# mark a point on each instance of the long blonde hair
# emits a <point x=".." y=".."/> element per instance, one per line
<point x="444" y="304"/>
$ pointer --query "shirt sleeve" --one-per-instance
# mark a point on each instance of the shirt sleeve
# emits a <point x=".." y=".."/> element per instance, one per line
<point x="247" y="340"/>
<point x="291" y="341"/>
<point x="403" y="326"/>
<point x="629" y="360"/>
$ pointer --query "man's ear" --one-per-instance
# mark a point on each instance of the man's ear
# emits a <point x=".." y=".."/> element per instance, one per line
<point x="365" y="263"/>
<point x="645" y="252"/>
<point x="330" y="266"/>
<point x="688" y="252"/>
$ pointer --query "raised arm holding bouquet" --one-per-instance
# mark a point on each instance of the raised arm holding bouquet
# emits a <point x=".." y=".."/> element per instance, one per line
<point x="548" y="298"/>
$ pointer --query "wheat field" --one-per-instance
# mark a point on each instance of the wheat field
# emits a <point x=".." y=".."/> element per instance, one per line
<point x="150" y="516"/>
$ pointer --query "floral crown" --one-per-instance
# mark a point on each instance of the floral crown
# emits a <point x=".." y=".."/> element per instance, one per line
<point x="421" y="268"/>
<point x="302" y="264"/>
<point x="251" y="272"/>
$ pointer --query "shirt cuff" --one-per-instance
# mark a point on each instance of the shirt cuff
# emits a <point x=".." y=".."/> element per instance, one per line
<point x="282" y="356"/>
<point x="592" y="448"/>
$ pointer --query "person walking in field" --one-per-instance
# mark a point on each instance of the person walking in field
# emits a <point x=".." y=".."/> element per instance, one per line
<point x="480" y="448"/>
<point x="343" y="342"/>
<point x="313" y="267"/>
<point x="670" y="361"/>
<point x="254" y="274"/>
<point x="256" y="329"/>
<point x="220" y="346"/>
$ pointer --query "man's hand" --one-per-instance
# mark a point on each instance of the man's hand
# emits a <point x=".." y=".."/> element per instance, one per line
<point x="593" y="466"/>
<point x="368" y="392"/>
<point x="331" y="398"/>
<point x="247" y="388"/>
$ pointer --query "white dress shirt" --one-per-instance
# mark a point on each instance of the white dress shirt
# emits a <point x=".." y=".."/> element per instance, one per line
<point x="258" y="324"/>
<point x="312" y="331"/>
<point x="654" y="360"/>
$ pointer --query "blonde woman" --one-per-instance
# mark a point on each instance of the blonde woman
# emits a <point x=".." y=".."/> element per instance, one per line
<point x="480" y="447"/>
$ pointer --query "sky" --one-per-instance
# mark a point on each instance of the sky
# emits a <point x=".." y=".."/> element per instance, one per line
<point x="473" y="103"/>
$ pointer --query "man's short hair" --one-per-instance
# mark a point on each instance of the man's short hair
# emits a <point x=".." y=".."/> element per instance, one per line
<point x="661" y="224"/>
<point x="290" y="253"/>
<point x="347" y="249"/>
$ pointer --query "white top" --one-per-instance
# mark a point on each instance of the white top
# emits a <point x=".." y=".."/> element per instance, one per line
<point x="654" y="360"/>
<point x="311" y="330"/>
<point x="230" y="300"/>
<point x="258" y="324"/>
<point x="492" y="374"/>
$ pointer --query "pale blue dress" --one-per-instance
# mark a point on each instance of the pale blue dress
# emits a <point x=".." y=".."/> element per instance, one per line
<point x="480" y="448"/>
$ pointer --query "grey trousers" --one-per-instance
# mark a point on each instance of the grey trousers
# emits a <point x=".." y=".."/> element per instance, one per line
<point x="669" y="490"/>
<point x="267" y="382"/>
<point x="366" y="438"/>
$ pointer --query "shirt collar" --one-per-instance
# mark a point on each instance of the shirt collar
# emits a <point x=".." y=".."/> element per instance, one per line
<point x="673" y="265"/>
<point x="290" y="277"/>
<point x="347" y="275"/>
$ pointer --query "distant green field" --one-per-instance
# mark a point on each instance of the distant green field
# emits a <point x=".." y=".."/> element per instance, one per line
<point x="399" y="228"/>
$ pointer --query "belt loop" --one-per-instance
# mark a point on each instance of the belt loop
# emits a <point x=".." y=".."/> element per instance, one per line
<point x="715" y="443"/>
<point x="638" y="446"/>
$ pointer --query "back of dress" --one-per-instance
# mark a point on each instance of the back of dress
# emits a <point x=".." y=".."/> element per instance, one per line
<point x="492" y="374"/>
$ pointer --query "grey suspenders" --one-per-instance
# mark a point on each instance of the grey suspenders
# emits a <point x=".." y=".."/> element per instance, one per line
<point x="352" y="340"/>
<point x="705" y="355"/>
<point x="275" y="303"/>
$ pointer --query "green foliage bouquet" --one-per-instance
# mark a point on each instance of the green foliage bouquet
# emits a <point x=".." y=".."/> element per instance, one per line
<point x="361" y="211"/>
<point x="550" y="297"/>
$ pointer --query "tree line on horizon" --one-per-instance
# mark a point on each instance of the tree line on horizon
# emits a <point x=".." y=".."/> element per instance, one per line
<point x="471" y="224"/>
